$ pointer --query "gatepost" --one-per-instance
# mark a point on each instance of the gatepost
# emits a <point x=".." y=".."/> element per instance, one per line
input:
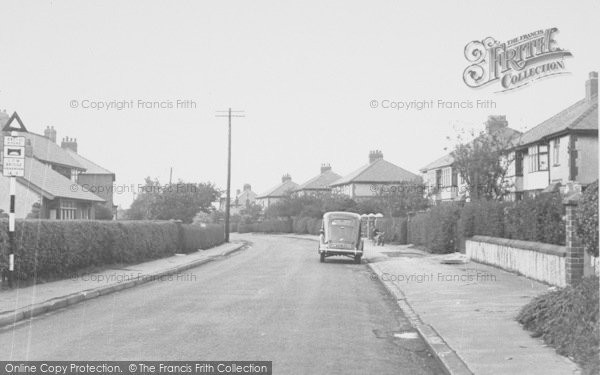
<point x="575" y="251"/>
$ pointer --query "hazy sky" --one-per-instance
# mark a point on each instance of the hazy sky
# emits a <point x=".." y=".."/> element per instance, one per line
<point x="304" y="72"/>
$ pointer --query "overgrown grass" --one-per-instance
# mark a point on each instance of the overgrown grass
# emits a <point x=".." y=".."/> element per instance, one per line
<point x="567" y="319"/>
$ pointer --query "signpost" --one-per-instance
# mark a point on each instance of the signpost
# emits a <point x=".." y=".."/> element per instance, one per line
<point x="13" y="165"/>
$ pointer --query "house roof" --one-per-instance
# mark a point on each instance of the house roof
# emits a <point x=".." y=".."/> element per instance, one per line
<point x="51" y="184"/>
<point x="509" y="135"/>
<point x="377" y="171"/>
<point x="320" y="182"/>
<point x="89" y="166"/>
<point x="46" y="150"/>
<point x="582" y="115"/>
<point x="280" y="190"/>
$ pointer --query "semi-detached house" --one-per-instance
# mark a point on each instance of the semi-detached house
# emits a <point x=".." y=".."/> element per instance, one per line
<point x="561" y="150"/>
<point x="57" y="180"/>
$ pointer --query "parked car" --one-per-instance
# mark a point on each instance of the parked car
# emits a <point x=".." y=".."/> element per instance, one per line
<point x="340" y="236"/>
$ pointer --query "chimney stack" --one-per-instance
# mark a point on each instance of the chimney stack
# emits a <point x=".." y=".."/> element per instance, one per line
<point x="495" y="123"/>
<point x="591" y="86"/>
<point x="286" y="177"/>
<point x="69" y="144"/>
<point x="50" y="133"/>
<point x="28" y="148"/>
<point x="247" y="187"/>
<point x="375" y="155"/>
<point x="325" y="168"/>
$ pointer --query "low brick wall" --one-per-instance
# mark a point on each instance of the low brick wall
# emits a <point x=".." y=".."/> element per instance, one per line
<point x="539" y="261"/>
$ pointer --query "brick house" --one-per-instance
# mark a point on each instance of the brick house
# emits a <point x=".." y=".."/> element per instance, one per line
<point x="320" y="184"/>
<point x="277" y="193"/>
<point x="370" y="179"/>
<point x="51" y="177"/>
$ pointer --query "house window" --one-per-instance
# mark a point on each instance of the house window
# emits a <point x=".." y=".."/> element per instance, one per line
<point x="538" y="158"/>
<point x="438" y="178"/>
<point x="454" y="177"/>
<point x="543" y="157"/>
<point x="518" y="164"/>
<point x="556" y="152"/>
<point x="447" y="177"/>
<point x="68" y="210"/>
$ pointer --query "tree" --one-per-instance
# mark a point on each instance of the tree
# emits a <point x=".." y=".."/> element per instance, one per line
<point x="180" y="201"/>
<point x="399" y="199"/>
<point x="483" y="164"/>
<point x="35" y="211"/>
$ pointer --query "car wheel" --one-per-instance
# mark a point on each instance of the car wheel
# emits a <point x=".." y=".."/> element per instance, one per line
<point x="322" y="257"/>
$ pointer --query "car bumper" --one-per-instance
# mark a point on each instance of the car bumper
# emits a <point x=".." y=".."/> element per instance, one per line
<point x="327" y="251"/>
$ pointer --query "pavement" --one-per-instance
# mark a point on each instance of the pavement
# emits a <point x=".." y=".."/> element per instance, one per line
<point x="466" y="311"/>
<point x="273" y="301"/>
<point x="22" y="303"/>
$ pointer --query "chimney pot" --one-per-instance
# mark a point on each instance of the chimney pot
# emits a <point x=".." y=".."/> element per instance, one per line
<point x="375" y="155"/>
<point x="591" y="86"/>
<point x="495" y="123"/>
<point x="286" y="177"/>
<point x="325" y="167"/>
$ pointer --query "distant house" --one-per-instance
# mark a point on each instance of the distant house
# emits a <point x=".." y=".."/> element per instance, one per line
<point x="442" y="180"/>
<point x="372" y="178"/>
<point x="561" y="150"/>
<point x="51" y="178"/>
<point x="319" y="184"/>
<point x="277" y="193"/>
<point x="241" y="200"/>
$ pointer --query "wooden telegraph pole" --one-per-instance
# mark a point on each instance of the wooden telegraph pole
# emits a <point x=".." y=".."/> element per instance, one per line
<point x="229" y="114"/>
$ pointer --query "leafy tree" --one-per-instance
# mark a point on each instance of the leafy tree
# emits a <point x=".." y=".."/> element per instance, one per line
<point x="396" y="200"/>
<point x="483" y="163"/>
<point x="179" y="200"/>
<point x="34" y="214"/>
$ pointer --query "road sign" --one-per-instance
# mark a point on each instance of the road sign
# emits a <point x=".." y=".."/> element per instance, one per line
<point x="13" y="157"/>
<point x="14" y="152"/>
<point x="14" y="141"/>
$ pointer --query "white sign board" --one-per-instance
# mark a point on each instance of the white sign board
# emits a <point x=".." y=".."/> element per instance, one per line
<point x="13" y="156"/>
<point x="14" y="141"/>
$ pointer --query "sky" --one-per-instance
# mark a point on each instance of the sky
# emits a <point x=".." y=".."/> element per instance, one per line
<point x="305" y="73"/>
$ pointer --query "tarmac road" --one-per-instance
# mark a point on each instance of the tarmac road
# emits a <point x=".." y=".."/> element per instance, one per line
<point x="273" y="301"/>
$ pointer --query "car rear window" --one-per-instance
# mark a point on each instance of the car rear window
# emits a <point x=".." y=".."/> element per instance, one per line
<point x="342" y="222"/>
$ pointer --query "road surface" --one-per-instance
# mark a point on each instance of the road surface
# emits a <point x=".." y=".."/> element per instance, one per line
<point x="273" y="301"/>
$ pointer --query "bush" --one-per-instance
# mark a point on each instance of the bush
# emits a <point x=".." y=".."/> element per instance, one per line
<point x="197" y="237"/>
<point x="436" y="229"/>
<point x="587" y="219"/>
<point x="539" y="219"/>
<point x="48" y="249"/>
<point x="567" y="319"/>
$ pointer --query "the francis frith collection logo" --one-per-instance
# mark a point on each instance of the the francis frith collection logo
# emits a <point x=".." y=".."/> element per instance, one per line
<point x="514" y="63"/>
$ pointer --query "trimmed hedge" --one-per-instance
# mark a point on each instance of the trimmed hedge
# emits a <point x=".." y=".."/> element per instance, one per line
<point x="567" y="319"/>
<point x="436" y="229"/>
<point x="48" y="249"/>
<point x="267" y="226"/>
<point x="445" y="227"/>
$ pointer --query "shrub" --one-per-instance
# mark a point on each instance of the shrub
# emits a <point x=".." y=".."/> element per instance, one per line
<point x="587" y="219"/>
<point x="48" y="249"/>
<point x="441" y="236"/>
<point x="567" y="319"/>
